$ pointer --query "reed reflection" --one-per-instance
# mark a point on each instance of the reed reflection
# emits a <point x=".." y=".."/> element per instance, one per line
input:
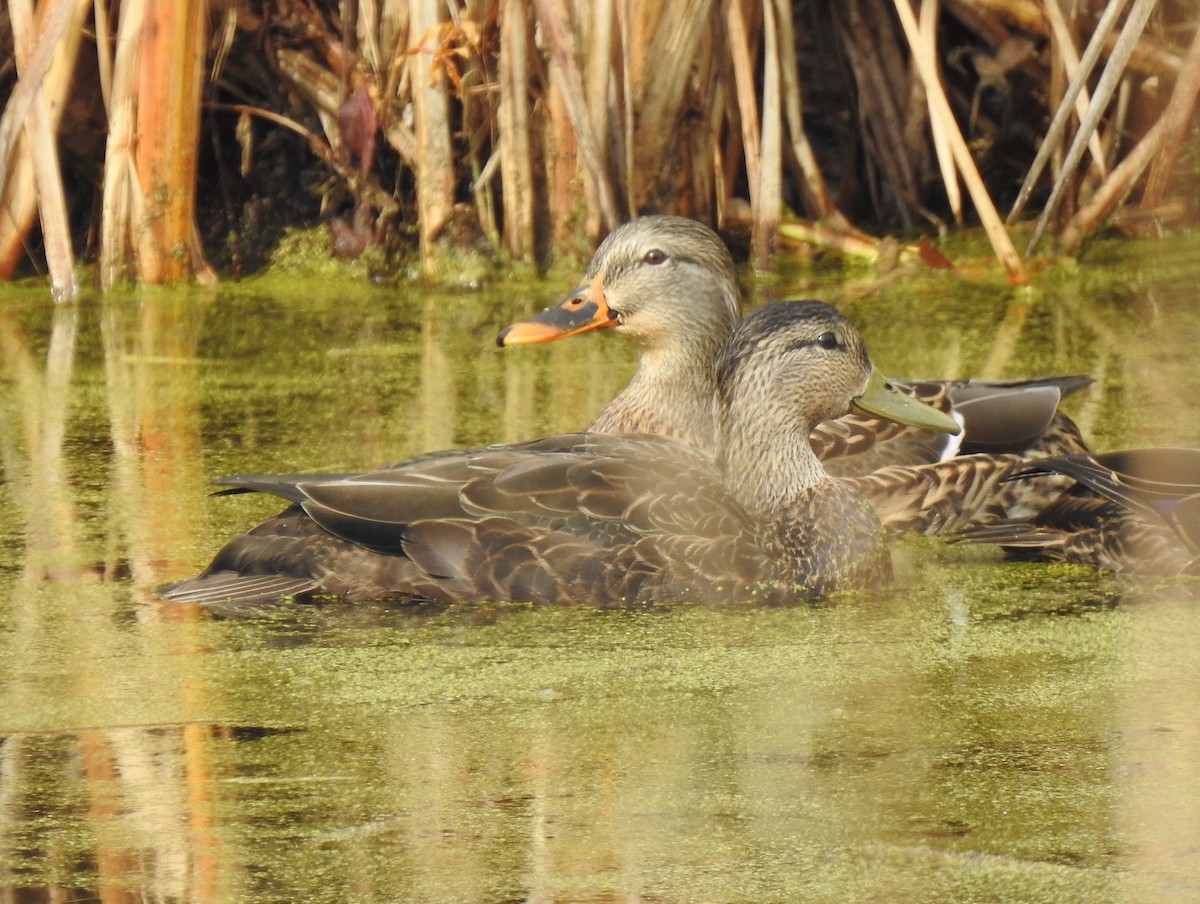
<point x="35" y="467"/>
<point x="114" y="813"/>
<point x="109" y="814"/>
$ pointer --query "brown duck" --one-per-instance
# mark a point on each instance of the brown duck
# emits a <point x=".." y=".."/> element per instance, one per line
<point x="607" y="520"/>
<point x="669" y="284"/>
<point x="1135" y="511"/>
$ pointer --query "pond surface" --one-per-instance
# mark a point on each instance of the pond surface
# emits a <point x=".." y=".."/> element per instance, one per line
<point x="979" y="732"/>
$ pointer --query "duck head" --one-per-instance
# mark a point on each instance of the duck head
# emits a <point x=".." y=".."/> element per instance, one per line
<point x="656" y="279"/>
<point x="787" y="367"/>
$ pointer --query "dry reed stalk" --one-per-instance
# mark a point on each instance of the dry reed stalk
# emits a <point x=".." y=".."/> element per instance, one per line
<point x="769" y="200"/>
<point x="394" y="25"/>
<point x="599" y="41"/>
<point x="1114" y="70"/>
<point x="1177" y="114"/>
<point x="643" y="21"/>
<point x="18" y="201"/>
<point x="55" y="22"/>
<point x="170" y="78"/>
<point x="515" y="144"/>
<point x="52" y="205"/>
<point x="630" y="52"/>
<point x="104" y="49"/>
<point x="566" y="197"/>
<point x="317" y="84"/>
<point x="1161" y="142"/>
<point x="669" y="48"/>
<point x="122" y="198"/>
<point x="724" y="135"/>
<point x="369" y="39"/>
<point x="1058" y="125"/>
<point x="941" y="141"/>
<point x="698" y="174"/>
<point x="551" y="15"/>
<point x="431" y="111"/>
<point x="880" y="74"/>
<point x="992" y="223"/>
<point x="861" y="246"/>
<point x="1068" y="56"/>
<point x="747" y="100"/>
<point x="817" y="199"/>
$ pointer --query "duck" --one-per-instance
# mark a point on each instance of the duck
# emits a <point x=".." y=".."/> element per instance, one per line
<point x="669" y="284"/>
<point x="1131" y="511"/>
<point x="606" y="519"/>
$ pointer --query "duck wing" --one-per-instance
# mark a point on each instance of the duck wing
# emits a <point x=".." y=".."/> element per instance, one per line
<point x="939" y="497"/>
<point x="607" y="520"/>
<point x="1134" y="511"/>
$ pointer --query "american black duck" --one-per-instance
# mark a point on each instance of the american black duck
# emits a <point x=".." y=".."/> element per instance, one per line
<point x="602" y="519"/>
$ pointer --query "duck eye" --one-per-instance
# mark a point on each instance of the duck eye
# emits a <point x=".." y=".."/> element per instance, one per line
<point x="828" y="341"/>
<point x="654" y="257"/>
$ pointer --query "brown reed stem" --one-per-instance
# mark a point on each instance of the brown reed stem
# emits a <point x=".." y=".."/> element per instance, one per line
<point x="1113" y="72"/>
<point x="552" y="17"/>
<point x="516" y="139"/>
<point x="431" y="112"/>
<point x="1054" y="135"/>
<point x="597" y="65"/>
<point x="122" y="190"/>
<point x="992" y="224"/>
<point x="1161" y="143"/>
<point x="18" y="197"/>
<point x="1177" y="115"/>
<point x="1068" y="55"/>
<point x="747" y="101"/>
<point x="941" y="141"/>
<point x="170" y="80"/>
<point x="55" y="23"/>
<point x="768" y="201"/>
<point x="818" y="201"/>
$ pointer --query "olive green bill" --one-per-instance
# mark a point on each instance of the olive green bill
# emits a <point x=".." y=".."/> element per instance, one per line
<point x="882" y="399"/>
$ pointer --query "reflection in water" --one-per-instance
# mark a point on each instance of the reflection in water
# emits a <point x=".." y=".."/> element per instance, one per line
<point x="150" y="372"/>
<point x="107" y="815"/>
<point x="979" y="732"/>
<point x="36" y="473"/>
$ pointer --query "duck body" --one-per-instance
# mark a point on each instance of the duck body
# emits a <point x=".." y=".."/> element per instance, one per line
<point x="607" y="520"/>
<point x="584" y="518"/>
<point x="1134" y="511"/>
<point x="669" y="284"/>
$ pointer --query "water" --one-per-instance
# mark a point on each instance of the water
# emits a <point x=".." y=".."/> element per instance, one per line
<point x="978" y="732"/>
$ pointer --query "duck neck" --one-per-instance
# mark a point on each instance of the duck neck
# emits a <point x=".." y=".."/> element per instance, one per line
<point x="673" y="390"/>
<point x="769" y="467"/>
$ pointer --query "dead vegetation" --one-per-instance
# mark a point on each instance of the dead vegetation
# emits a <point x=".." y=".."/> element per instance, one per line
<point x="153" y="137"/>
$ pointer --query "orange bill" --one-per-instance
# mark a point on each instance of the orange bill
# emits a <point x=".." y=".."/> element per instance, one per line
<point x="583" y="310"/>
